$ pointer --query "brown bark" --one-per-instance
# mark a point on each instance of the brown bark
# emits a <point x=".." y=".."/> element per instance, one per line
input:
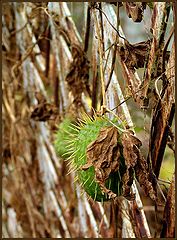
<point x="162" y="118"/>
<point x="168" y="229"/>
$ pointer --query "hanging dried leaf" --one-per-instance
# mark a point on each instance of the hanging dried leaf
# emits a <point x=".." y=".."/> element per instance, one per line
<point x="131" y="145"/>
<point x="142" y="175"/>
<point x="43" y="111"/>
<point x="135" y="162"/>
<point x="104" y="154"/>
<point x="127" y="181"/>
<point x="78" y="75"/>
<point x="135" y="55"/>
<point x="135" y="10"/>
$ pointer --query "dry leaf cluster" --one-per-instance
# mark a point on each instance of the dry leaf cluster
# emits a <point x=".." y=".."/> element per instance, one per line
<point x="105" y="155"/>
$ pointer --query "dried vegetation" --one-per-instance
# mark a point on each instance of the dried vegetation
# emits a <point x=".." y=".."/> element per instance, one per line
<point x="48" y="74"/>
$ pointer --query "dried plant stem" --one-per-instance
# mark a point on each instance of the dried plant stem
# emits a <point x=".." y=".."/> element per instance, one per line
<point x="81" y="213"/>
<point x="91" y="217"/>
<point x="168" y="230"/>
<point x="100" y="56"/>
<point x="159" y="24"/>
<point x="47" y="33"/>
<point x="160" y="118"/>
<point x="165" y="48"/>
<point x="118" y="91"/>
<point x="95" y="75"/>
<point x="86" y="42"/>
<point x="60" y="77"/>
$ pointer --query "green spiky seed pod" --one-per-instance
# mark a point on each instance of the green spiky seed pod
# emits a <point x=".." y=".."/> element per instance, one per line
<point x="79" y="137"/>
<point x="63" y="133"/>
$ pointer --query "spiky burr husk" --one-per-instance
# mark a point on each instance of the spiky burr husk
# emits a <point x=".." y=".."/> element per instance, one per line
<point x="76" y="138"/>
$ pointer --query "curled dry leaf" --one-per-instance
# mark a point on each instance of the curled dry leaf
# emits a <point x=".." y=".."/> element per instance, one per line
<point x="104" y="154"/>
<point x="130" y="148"/>
<point x="135" y="162"/>
<point x="43" y="111"/>
<point x="142" y="175"/>
<point x="135" y="55"/>
<point x="78" y="75"/>
<point x="135" y="10"/>
<point x="131" y="145"/>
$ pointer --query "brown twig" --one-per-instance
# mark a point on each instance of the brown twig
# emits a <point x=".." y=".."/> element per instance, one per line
<point x="18" y="30"/>
<point x="110" y="23"/>
<point x="115" y="51"/>
<point x="87" y="32"/>
<point x="100" y="48"/>
<point x="47" y="33"/>
<point x="24" y="57"/>
<point x="168" y="230"/>
<point x="106" y="63"/>
<point x="162" y="120"/>
<point x="165" y="48"/>
<point x="159" y="24"/>
<point x="94" y="90"/>
<point x="112" y="67"/>
<point x="56" y="91"/>
<point x="101" y="24"/>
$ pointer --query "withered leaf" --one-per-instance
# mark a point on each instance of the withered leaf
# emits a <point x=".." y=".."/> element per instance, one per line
<point x="135" y="55"/>
<point x="127" y="181"/>
<point x="78" y="75"/>
<point x="135" y="160"/>
<point x="131" y="145"/>
<point x="135" y="10"/>
<point x="130" y="148"/>
<point x="43" y="111"/>
<point x="40" y="98"/>
<point x="142" y="175"/>
<point x="103" y="154"/>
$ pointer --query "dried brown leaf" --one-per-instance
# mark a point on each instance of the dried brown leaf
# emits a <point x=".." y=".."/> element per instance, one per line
<point x="142" y="175"/>
<point x="131" y="145"/>
<point x="135" y="55"/>
<point x="127" y="181"/>
<point x="135" y="10"/>
<point x="78" y="75"/>
<point x="104" y="155"/>
<point x="135" y="160"/>
<point x="130" y="148"/>
<point x="43" y="111"/>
